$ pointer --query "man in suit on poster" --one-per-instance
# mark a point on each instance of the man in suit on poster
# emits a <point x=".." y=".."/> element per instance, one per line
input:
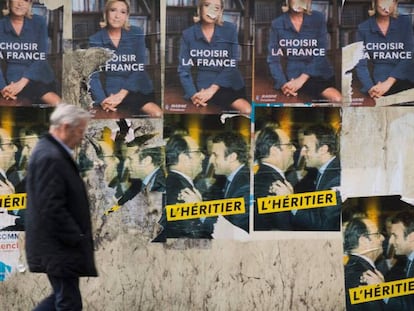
<point x="7" y="153"/>
<point x="145" y="166"/>
<point x="184" y="162"/>
<point x="363" y="244"/>
<point x="402" y="238"/>
<point x="229" y="155"/>
<point x="142" y="203"/>
<point x="274" y="152"/>
<point x="320" y="151"/>
<point x="151" y="160"/>
<point x="58" y="221"/>
<point x="8" y="221"/>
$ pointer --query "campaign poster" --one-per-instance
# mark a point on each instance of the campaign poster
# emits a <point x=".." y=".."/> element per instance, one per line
<point x="297" y="169"/>
<point x="9" y="254"/>
<point x="377" y="240"/>
<point x="377" y="53"/>
<point x="114" y="68"/>
<point x="296" y="53"/>
<point x="208" y="176"/>
<point x="31" y="56"/>
<point x="208" y="57"/>
<point x="122" y="164"/>
<point x="20" y="129"/>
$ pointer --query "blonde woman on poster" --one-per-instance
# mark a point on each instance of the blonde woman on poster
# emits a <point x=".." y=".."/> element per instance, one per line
<point x="210" y="48"/>
<point x="123" y="83"/>
<point x="299" y="38"/>
<point x="24" y="47"/>
<point x="388" y="40"/>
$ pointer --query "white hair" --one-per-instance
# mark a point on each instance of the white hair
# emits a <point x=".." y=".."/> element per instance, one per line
<point x="68" y="114"/>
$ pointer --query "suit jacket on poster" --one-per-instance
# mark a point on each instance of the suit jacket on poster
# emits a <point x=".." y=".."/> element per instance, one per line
<point x="263" y="179"/>
<point x="58" y="225"/>
<point x="353" y="271"/>
<point x="240" y="187"/>
<point x="405" y="302"/>
<point x="157" y="181"/>
<point x="326" y="218"/>
<point x="192" y="228"/>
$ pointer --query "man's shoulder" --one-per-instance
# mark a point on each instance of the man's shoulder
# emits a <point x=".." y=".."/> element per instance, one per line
<point x="173" y="178"/>
<point x="158" y="181"/>
<point x="243" y="175"/>
<point x="356" y="263"/>
<point x="336" y="162"/>
<point x="266" y="172"/>
<point x="47" y="141"/>
<point x="46" y="148"/>
<point x="244" y="170"/>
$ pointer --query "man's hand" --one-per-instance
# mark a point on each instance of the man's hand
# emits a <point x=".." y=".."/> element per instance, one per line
<point x="188" y="196"/>
<point x="281" y="188"/>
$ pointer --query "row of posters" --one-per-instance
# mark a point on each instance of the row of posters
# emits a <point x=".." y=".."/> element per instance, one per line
<point x="237" y="120"/>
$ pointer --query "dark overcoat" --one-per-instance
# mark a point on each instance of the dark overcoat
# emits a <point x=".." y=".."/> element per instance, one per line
<point x="58" y="223"/>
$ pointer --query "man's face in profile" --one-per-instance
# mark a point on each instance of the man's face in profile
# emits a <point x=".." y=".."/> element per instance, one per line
<point x="400" y="241"/>
<point x="195" y="156"/>
<point x="219" y="159"/>
<point x="137" y="167"/>
<point x="311" y="151"/>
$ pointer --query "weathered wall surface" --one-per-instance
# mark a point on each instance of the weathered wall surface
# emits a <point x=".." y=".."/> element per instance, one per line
<point x="226" y="275"/>
<point x="375" y="151"/>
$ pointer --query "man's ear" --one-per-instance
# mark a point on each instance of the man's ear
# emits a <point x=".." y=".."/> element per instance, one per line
<point x="232" y="157"/>
<point x="410" y="237"/>
<point x="324" y="149"/>
<point x="183" y="157"/>
<point x="363" y="240"/>
<point x="147" y="160"/>
<point x="273" y="150"/>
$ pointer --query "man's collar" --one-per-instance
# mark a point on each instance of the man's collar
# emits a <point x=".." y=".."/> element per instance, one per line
<point x="324" y="166"/>
<point x="370" y="261"/>
<point x="231" y="176"/>
<point x="70" y="151"/>
<point x="276" y="169"/>
<point x="184" y="175"/>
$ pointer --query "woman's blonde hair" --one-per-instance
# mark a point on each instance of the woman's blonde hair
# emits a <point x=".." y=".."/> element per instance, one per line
<point x="108" y="6"/>
<point x="6" y="10"/>
<point x="373" y="10"/>
<point x="286" y="7"/>
<point x="219" y="20"/>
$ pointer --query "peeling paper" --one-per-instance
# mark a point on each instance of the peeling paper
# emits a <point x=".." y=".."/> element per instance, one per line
<point x="77" y="68"/>
<point x="351" y="55"/>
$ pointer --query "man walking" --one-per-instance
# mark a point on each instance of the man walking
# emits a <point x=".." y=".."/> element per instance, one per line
<point x="58" y="226"/>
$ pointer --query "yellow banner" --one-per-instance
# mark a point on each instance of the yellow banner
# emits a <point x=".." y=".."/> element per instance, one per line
<point x="381" y="291"/>
<point x="112" y="209"/>
<point x="283" y="203"/>
<point x="205" y="209"/>
<point x="13" y="202"/>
